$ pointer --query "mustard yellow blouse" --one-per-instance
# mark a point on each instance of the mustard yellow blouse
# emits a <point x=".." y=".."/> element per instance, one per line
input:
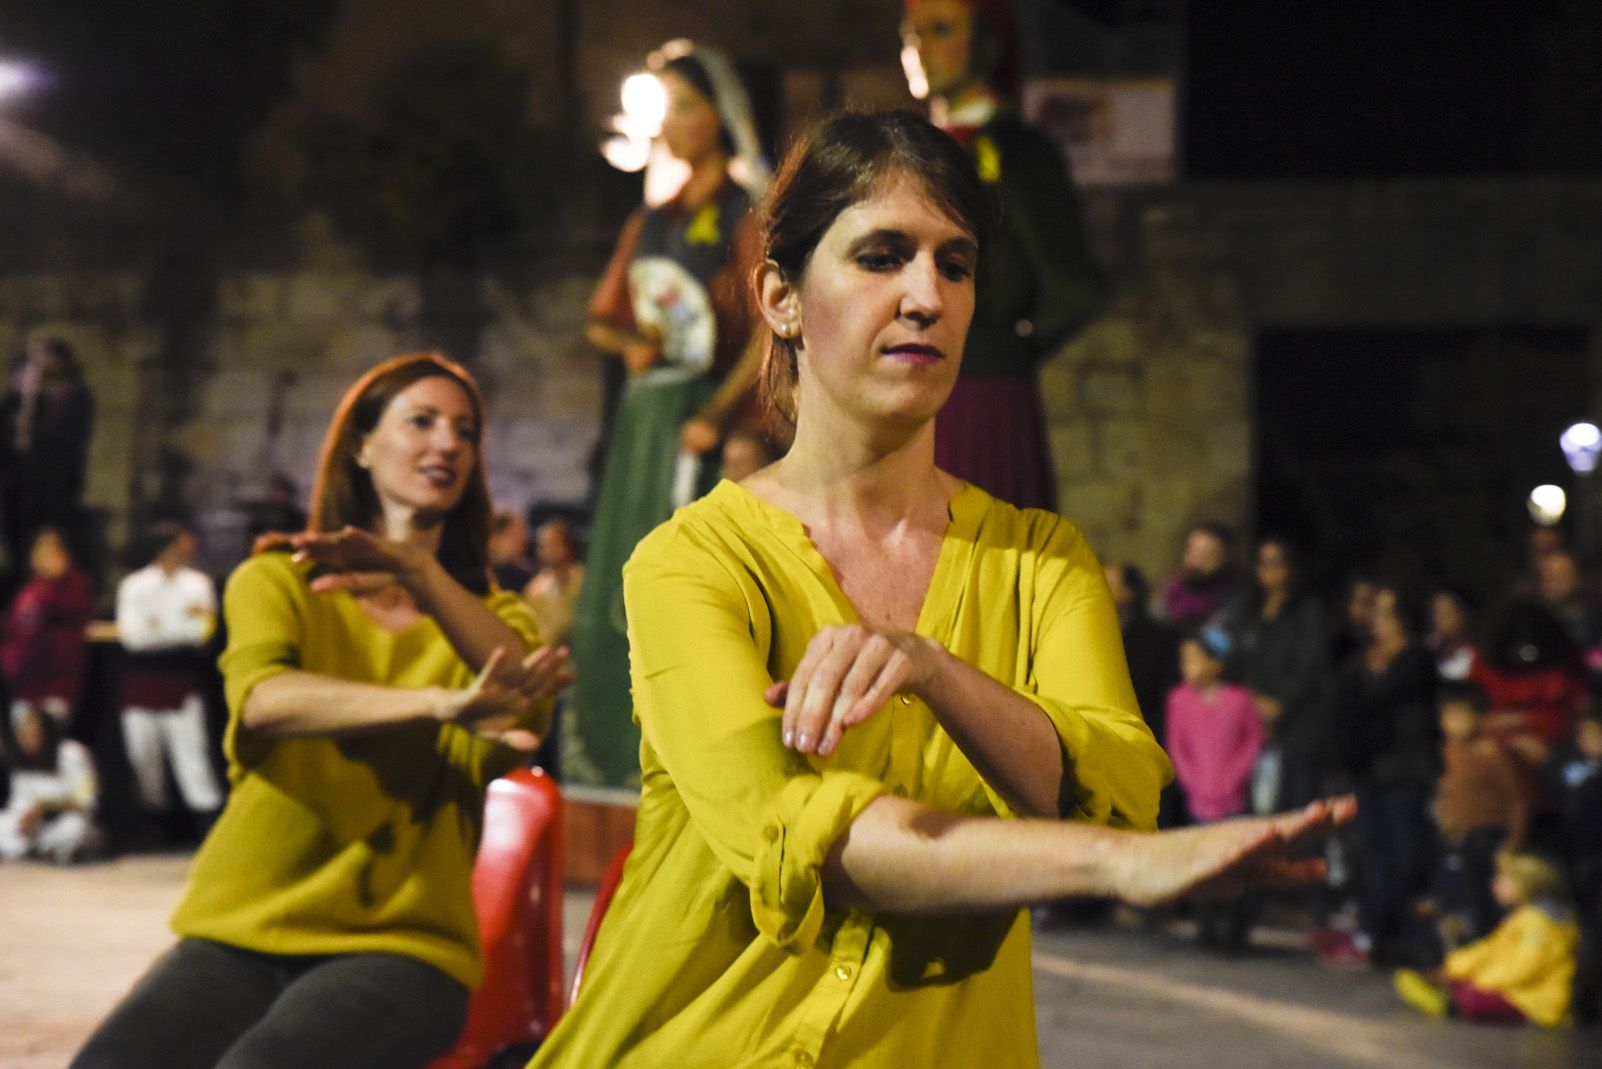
<point x="361" y="843"/>
<point x="719" y="949"/>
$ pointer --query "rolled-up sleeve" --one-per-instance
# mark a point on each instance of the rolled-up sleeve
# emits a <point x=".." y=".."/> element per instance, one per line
<point x="265" y="633"/>
<point x="699" y="636"/>
<point x="1078" y="675"/>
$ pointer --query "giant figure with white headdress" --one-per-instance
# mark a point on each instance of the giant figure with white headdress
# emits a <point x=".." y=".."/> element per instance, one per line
<point x="674" y="305"/>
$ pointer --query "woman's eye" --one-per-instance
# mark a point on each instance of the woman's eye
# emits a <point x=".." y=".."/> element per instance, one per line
<point x="878" y="261"/>
<point x="956" y="270"/>
<point x="421" y="422"/>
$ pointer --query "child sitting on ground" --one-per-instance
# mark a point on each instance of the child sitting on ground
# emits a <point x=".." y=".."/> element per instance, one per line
<point x="50" y="814"/>
<point x="1214" y="737"/>
<point x="1480" y="808"/>
<point x="1523" y="970"/>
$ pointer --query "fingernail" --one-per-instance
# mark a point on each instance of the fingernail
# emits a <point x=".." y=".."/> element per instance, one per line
<point x="788" y="737"/>
<point x="803" y="741"/>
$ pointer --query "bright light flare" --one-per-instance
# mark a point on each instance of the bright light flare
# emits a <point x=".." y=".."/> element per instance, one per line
<point x="644" y="104"/>
<point x="912" y="67"/>
<point x="1582" y="446"/>
<point x="1547" y="504"/>
<point x="644" y="107"/>
<point x="17" y="79"/>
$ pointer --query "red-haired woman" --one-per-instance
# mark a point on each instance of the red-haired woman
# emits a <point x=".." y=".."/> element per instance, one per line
<point x="373" y="676"/>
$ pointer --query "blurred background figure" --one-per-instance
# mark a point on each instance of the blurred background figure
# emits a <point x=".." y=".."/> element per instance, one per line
<point x="1575" y="784"/>
<point x="1385" y="739"/>
<point x="1206" y="580"/>
<point x="46" y="417"/>
<point x="279" y="512"/>
<point x="1524" y="970"/>
<point x="1279" y="654"/>
<point x="1535" y="678"/>
<point x="166" y="616"/>
<point x="50" y="814"/>
<point x="1567" y="594"/>
<point x="43" y="651"/>
<point x="554" y="590"/>
<point x="1450" y="638"/>
<point x="1152" y="650"/>
<point x="1480" y="808"/>
<point x="1354" y="619"/>
<point x="508" y="552"/>
<point x="746" y="451"/>
<point x="674" y="304"/>
<point x="1214" y="737"/>
<point x="1038" y="283"/>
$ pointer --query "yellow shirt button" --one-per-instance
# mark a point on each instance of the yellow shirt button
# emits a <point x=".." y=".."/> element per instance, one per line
<point x="770" y="833"/>
<point x="803" y="1059"/>
<point x="906" y="699"/>
<point x="843" y="972"/>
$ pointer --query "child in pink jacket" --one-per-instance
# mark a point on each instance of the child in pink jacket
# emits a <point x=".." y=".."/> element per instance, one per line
<point x="1214" y="737"/>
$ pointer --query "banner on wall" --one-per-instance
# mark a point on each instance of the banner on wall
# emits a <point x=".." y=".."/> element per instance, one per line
<point x="1114" y="131"/>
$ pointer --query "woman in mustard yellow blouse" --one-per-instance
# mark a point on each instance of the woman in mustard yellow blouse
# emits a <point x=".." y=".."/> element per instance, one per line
<point x="849" y="666"/>
<point x="373" y="680"/>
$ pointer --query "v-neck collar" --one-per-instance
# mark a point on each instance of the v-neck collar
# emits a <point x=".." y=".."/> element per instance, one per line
<point x="964" y="512"/>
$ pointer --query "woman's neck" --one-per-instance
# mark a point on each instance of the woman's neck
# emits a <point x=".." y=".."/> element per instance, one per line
<point x="707" y="176"/>
<point x="841" y="469"/>
<point x="1273" y="602"/>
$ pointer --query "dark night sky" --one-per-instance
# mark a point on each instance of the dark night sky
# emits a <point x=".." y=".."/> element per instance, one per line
<point x="1406" y="87"/>
<point x="1358" y="88"/>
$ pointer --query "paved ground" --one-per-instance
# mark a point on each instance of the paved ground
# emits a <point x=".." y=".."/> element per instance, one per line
<point x="72" y="940"/>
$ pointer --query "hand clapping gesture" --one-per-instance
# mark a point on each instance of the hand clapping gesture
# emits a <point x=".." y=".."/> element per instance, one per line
<point x="491" y="705"/>
<point x="357" y="561"/>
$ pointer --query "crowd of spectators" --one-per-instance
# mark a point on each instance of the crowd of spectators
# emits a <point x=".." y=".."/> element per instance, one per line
<point x="1473" y="742"/>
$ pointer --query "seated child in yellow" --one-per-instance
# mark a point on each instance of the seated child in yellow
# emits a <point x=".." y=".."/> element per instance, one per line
<point x="1528" y="959"/>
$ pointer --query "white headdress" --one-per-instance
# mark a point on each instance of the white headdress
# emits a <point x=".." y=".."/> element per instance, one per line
<point x="748" y="167"/>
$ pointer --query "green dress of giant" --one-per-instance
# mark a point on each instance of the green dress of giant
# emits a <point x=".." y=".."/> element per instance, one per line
<point x="682" y="272"/>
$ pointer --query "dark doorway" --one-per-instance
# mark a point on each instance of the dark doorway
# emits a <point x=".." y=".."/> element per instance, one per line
<point x="1413" y="452"/>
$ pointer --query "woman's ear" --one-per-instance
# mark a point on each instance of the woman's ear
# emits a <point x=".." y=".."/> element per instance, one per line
<point x="777" y="299"/>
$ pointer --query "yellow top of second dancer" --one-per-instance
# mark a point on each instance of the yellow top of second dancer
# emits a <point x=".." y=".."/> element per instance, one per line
<point x="719" y="949"/>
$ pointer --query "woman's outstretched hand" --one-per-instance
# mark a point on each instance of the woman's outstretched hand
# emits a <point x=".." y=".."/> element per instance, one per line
<point x="846" y="674"/>
<point x="358" y="561"/>
<point x="503" y="690"/>
<point x="1223" y="859"/>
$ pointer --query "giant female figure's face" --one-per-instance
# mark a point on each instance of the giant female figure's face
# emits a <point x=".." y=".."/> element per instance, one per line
<point x="690" y="126"/>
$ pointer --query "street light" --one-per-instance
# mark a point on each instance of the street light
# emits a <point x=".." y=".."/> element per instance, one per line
<point x="1582" y="447"/>
<point x="1547" y="504"/>
<point x="16" y="78"/>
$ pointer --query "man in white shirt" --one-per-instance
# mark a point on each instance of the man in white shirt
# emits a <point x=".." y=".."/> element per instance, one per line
<point x="166" y="613"/>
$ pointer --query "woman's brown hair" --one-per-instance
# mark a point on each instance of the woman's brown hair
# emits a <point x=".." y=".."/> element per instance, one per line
<point x="841" y="162"/>
<point x="343" y="495"/>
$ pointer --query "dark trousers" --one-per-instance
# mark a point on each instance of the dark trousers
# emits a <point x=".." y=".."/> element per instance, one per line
<point x="1463" y="875"/>
<point x="204" y="1004"/>
<point x="1395" y="833"/>
<point x="1587" y="876"/>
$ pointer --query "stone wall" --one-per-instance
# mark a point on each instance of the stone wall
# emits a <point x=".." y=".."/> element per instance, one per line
<point x="293" y="342"/>
<point x="1151" y="407"/>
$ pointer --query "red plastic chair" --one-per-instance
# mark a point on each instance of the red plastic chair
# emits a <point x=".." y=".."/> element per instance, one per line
<point x="517" y="895"/>
<point x="603" y="898"/>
